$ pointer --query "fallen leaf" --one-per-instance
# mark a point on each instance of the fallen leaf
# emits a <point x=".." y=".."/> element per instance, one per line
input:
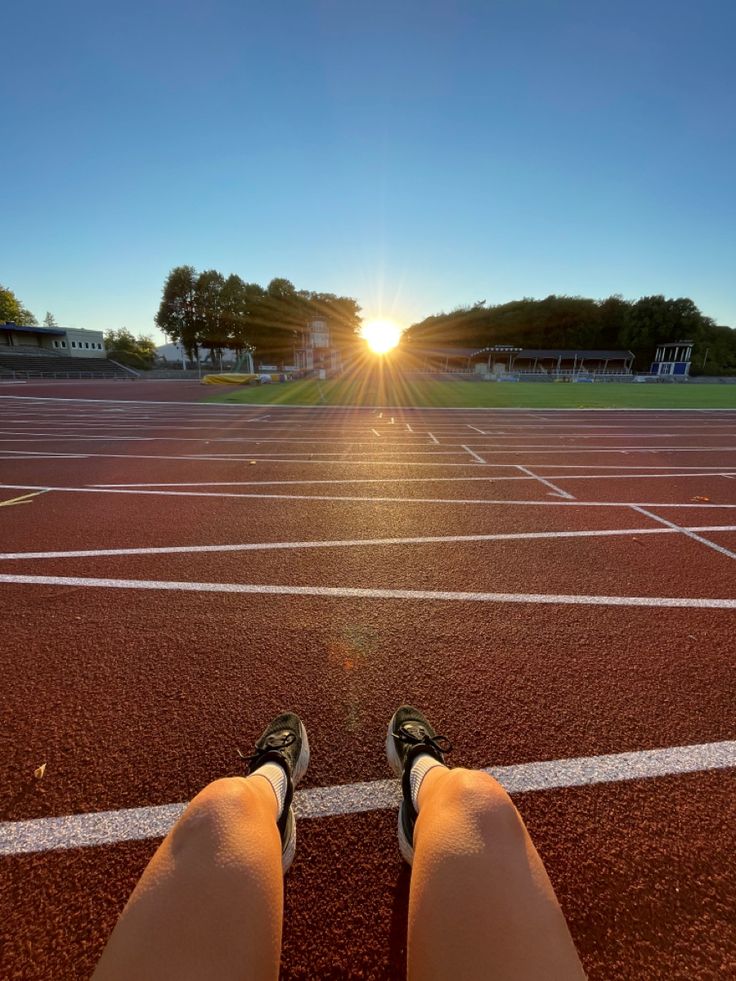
<point x="39" y="771"/>
<point x="252" y="462"/>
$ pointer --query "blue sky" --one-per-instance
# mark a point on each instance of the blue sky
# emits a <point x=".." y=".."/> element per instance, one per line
<point x="415" y="155"/>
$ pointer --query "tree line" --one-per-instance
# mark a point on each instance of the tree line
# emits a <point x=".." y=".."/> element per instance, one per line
<point x="208" y="310"/>
<point x="579" y="322"/>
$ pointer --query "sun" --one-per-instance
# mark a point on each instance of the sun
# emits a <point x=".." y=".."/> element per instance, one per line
<point x="381" y="335"/>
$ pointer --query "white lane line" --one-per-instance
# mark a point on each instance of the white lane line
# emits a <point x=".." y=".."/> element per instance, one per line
<point x="137" y="823"/>
<point x="356" y="542"/>
<point x="348" y="592"/>
<point x="403" y="480"/>
<point x="478" y="459"/>
<point x="481" y="431"/>
<point x="11" y="436"/>
<point x="409" y="429"/>
<point x="685" y="531"/>
<point x="372" y="500"/>
<point x="258" y="440"/>
<point x="558" y="491"/>
<point x="348" y="409"/>
<point x="703" y="470"/>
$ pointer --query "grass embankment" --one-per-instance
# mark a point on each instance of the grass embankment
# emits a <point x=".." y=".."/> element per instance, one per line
<point x="457" y="394"/>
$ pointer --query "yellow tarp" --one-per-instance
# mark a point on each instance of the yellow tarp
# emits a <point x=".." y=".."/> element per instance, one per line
<point x="233" y="379"/>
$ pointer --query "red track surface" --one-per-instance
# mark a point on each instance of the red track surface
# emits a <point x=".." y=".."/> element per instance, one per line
<point x="139" y="697"/>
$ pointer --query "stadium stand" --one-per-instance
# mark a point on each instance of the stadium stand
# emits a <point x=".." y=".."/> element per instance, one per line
<point x="47" y="365"/>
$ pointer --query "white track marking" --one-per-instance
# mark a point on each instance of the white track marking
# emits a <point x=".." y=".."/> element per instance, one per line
<point x="375" y="431"/>
<point x="478" y="459"/>
<point x="481" y="431"/>
<point x="32" y="399"/>
<point x="401" y="480"/>
<point x="356" y="542"/>
<point x="685" y="531"/>
<point x="348" y="592"/>
<point x="372" y="500"/>
<point x="137" y="823"/>
<point x="558" y="491"/>
<point x="703" y="470"/>
<point x="364" y="542"/>
<point x="409" y="429"/>
<point x="10" y="436"/>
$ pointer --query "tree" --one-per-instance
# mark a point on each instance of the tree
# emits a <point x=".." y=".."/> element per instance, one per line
<point x="137" y="352"/>
<point x="12" y="310"/>
<point x="655" y="320"/>
<point x="211" y="332"/>
<point x="49" y="321"/>
<point x="177" y="315"/>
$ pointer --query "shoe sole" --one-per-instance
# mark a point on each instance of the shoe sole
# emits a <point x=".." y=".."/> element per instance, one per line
<point x="289" y="850"/>
<point x="394" y="761"/>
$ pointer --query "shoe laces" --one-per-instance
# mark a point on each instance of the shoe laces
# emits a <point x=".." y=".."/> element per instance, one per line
<point x="440" y="744"/>
<point x="270" y="744"/>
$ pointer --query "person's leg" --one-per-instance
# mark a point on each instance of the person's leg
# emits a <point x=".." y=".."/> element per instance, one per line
<point x="481" y="904"/>
<point x="210" y="902"/>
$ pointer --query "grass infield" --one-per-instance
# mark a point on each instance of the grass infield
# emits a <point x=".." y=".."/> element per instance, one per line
<point x="472" y="394"/>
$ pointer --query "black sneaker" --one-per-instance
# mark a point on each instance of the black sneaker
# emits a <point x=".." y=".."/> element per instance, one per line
<point x="410" y="735"/>
<point x="285" y="742"/>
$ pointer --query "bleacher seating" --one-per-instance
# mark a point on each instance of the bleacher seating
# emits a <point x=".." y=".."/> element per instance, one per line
<point x="53" y="365"/>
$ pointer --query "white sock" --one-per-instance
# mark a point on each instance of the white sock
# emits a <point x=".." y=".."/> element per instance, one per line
<point x="419" y="770"/>
<point x="276" y="776"/>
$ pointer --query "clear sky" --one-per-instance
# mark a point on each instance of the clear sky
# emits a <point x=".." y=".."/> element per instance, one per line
<point x="415" y="154"/>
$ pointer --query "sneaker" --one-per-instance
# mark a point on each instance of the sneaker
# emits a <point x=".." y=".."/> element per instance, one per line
<point x="285" y="742"/>
<point x="409" y="735"/>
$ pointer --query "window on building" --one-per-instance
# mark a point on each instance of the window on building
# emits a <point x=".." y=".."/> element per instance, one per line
<point x="86" y="344"/>
<point x="63" y="343"/>
<point x="74" y="343"/>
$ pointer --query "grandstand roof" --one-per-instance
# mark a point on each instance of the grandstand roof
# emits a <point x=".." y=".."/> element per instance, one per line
<point x="11" y="328"/>
<point x="570" y="353"/>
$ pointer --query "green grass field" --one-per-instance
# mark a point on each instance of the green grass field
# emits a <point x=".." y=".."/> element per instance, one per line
<point x="470" y="394"/>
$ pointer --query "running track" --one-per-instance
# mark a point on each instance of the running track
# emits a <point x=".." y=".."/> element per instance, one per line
<point x="555" y="588"/>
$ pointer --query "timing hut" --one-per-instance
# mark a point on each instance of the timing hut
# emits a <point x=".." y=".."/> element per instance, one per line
<point x="673" y="359"/>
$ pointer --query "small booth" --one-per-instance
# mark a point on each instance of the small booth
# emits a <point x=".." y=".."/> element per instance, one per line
<point x="673" y="359"/>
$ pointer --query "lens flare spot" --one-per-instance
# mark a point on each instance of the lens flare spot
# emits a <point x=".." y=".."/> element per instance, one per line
<point x="381" y="335"/>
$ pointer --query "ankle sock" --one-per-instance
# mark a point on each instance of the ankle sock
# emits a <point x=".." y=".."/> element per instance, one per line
<point x="419" y="770"/>
<point x="276" y="776"/>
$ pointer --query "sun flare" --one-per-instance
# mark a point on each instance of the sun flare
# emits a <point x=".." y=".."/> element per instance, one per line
<point x="381" y="335"/>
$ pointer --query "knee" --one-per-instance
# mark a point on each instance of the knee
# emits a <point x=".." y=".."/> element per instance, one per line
<point x="219" y="812"/>
<point x="481" y="799"/>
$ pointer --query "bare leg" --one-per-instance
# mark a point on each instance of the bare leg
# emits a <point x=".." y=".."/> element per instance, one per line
<point x="481" y="904"/>
<point x="210" y="902"/>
